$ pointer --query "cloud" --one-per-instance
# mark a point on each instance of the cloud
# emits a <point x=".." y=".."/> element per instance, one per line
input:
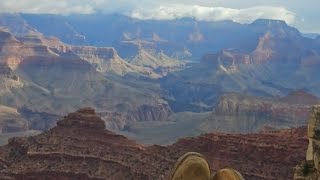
<point x="47" y="6"/>
<point x="147" y="9"/>
<point x="204" y="13"/>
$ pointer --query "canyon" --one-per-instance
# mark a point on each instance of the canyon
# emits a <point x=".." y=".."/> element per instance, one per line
<point x="233" y="113"/>
<point x="44" y="77"/>
<point x="240" y="94"/>
<point x="145" y="83"/>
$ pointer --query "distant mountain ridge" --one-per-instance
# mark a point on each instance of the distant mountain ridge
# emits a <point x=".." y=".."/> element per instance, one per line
<point x="172" y="37"/>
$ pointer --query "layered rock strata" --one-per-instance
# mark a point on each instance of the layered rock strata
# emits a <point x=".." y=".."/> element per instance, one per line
<point x="80" y="147"/>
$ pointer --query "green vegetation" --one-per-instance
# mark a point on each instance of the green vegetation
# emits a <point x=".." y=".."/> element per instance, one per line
<point x="305" y="168"/>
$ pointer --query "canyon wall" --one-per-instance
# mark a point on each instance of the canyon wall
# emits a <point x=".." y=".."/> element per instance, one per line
<point x="80" y="147"/>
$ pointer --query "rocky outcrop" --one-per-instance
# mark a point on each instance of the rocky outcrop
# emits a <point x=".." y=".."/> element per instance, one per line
<point x="260" y="156"/>
<point x="79" y="147"/>
<point x="310" y="168"/>
<point x="83" y="118"/>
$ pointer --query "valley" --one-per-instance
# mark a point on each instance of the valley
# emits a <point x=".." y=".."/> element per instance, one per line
<point x="110" y="96"/>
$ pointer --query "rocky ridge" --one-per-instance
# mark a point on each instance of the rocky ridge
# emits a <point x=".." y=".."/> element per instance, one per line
<point x="80" y="147"/>
<point x="310" y="168"/>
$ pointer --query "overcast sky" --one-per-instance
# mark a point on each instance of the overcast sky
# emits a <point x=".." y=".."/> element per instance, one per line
<point x="303" y="14"/>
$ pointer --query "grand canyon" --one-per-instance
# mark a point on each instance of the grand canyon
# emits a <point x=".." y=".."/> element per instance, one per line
<point x="110" y="96"/>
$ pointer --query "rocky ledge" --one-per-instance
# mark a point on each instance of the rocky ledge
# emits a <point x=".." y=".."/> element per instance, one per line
<point x="79" y="147"/>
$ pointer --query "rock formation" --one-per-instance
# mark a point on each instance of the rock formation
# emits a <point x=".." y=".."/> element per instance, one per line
<point x="157" y="61"/>
<point x="238" y="113"/>
<point x="80" y="147"/>
<point x="269" y="155"/>
<point x="107" y="60"/>
<point x="310" y="168"/>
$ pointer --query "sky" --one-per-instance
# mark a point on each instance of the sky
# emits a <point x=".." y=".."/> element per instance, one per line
<point x="303" y="14"/>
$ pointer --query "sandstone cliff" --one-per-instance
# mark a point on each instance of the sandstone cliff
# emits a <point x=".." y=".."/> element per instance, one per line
<point x="80" y="147"/>
<point x="310" y="168"/>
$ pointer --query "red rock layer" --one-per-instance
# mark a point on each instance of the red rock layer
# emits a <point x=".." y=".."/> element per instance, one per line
<point x="271" y="155"/>
<point x="80" y="148"/>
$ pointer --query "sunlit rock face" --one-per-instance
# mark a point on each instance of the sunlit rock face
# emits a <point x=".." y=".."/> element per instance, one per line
<point x="309" y="169"/>
<point x="107" y="60"/>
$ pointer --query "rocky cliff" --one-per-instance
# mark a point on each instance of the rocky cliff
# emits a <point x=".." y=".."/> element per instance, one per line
<point x="310" y="168"/>
<point x="246" y="114"/>
<point x="107" y="60"/>
<point x="80" y="147"/>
